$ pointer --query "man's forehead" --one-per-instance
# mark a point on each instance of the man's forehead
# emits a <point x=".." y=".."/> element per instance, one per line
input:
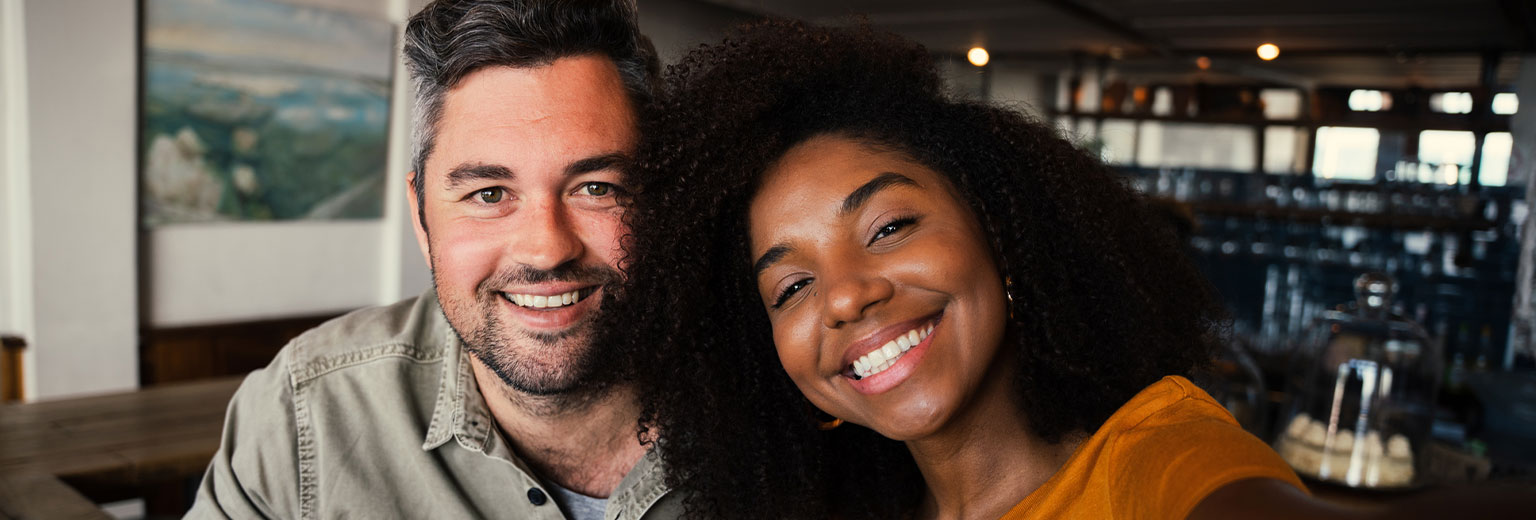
<point x="566" y="110"/>
<point x="576" y="84"/>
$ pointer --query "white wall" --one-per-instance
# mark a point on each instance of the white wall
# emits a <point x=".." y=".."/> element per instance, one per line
<point x="8" y="203"/>
<point x="230" y="273"/>
<point x="80" y="163"/>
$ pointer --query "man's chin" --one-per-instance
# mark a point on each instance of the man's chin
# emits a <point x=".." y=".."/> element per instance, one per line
<point x="542" y="363"/>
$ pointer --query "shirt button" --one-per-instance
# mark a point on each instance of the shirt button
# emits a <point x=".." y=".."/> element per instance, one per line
<point x="537" y="497"/>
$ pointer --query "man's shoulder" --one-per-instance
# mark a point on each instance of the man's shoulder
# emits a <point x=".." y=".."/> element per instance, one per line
<point x="413" y="328"/>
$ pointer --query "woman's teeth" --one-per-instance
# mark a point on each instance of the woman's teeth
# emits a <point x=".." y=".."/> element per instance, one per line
<point x="876" y="361"/>
<point x="545" y="302"/>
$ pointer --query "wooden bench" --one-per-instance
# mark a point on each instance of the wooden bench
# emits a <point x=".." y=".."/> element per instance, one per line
<point x="130" y="440"/>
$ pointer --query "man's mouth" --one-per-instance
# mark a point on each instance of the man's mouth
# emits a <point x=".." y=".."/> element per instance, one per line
<point x="880" y="359"/>
<point x="553" y="301"/>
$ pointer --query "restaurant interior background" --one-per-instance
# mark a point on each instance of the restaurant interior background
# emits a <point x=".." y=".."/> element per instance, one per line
<point x="1386" y="136"/>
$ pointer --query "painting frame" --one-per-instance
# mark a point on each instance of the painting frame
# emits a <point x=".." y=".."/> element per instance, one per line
<point x="264" y="111"/>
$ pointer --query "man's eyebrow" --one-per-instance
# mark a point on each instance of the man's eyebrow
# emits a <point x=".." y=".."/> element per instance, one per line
<point x="869" y="189"/>
<point x="464" y="173"/>
<point x="774" y="254"/>
<point x="597" y="163"/>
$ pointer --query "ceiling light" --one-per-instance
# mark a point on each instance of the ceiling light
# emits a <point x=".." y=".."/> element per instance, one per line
<point x="1268" y="51"/>
<point x="978" y="56"/>
<point x="1203" y="62"/>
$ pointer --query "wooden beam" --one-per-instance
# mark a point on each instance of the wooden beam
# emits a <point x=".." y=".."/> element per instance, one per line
<point x="1114" y="25"/>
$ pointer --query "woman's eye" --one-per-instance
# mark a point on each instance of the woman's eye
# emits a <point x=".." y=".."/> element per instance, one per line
<point x="490" y="195"/>
<point x="890" y="228"/>
<point x="597" y="189"/>
<point x="790" y="291"/>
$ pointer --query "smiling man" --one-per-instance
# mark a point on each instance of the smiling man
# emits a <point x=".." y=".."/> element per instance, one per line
<point x="490" y="396"/>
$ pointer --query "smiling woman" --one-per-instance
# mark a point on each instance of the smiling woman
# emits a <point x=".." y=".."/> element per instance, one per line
<point x="881" y="260"/>
<point x="820" y="230"/>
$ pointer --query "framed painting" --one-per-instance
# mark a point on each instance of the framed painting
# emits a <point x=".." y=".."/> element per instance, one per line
<point x="254" y="110"/>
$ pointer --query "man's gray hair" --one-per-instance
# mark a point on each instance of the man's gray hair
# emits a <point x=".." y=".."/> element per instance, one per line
<point x="449" y="39"/>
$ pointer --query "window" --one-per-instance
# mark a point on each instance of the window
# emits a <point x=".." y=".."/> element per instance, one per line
<point x="1447" y="153"/>
<point x="1192" y="145"/>
<point x="1496" y="150"/>
<point x="1506" y="103"/>
<point x="1280" y="103"/>
<point x="1451" y="102"/>
<point x="1162" y="101"/>
<point x="1369" y="101"/>
<point x="1087" y="130"/>
<point x="1283" y="145"/>
<point x="1345" y="153"/>
<point x="1119" y="137"/>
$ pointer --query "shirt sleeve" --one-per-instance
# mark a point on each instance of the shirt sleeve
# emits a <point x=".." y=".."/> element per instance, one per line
<point x="1186" y="453"/>
<point x="255" y="472"/>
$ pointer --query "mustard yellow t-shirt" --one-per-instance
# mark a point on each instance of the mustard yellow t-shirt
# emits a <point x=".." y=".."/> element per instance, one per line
<point x="1160" y="454"/>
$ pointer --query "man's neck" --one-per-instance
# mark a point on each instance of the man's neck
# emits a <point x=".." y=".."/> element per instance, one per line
<point x="585" y="443"/>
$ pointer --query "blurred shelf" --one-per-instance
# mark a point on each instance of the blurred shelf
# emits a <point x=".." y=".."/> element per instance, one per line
<point x="1382" y="121"/>
<point x="1334" y="217"/>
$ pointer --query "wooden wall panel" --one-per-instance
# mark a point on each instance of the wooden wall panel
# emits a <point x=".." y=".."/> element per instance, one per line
<point x="208" y="351"/>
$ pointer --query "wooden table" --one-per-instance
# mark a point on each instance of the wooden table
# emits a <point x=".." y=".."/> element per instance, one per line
<point x="125" y="440"/>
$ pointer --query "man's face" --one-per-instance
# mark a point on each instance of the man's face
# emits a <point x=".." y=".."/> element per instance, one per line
<point x="523" y="210"/>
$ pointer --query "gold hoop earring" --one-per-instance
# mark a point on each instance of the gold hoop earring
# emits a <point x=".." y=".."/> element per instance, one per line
<point x="816" y="417"/>
<point x="1008" y="292"/>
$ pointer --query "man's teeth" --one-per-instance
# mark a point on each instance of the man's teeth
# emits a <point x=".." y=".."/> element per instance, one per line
<point x="882" y="358"/>
<point x="544" y="302"/>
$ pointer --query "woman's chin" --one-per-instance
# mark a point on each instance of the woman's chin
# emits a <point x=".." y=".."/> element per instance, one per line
<point x="910" y="425"/>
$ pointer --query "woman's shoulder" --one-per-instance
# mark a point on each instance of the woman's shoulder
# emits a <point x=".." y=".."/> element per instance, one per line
<point x="1156" y="457"/>
<point x="1174" y="445"/>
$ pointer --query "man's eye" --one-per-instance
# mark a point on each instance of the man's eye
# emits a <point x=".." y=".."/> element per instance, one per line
<point x="490" y="195"/>
<point x="597" y="189"/>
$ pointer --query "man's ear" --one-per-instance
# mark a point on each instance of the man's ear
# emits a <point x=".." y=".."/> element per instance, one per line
<point x="417" y="225"/>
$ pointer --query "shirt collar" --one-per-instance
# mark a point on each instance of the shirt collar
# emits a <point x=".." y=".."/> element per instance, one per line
<point x="460" y="412"/>
<point x="641" y="488"/>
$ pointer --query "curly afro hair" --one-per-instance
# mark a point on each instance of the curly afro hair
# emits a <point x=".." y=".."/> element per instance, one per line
<point x="1104" y="302"/>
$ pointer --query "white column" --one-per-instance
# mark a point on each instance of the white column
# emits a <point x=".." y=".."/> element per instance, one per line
<point x="75" y="173"/>
<point x="15" y="207"/>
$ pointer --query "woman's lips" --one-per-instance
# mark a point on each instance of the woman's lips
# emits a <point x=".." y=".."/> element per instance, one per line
<point x="880" y="359"/>
<point x="879" y="371"/>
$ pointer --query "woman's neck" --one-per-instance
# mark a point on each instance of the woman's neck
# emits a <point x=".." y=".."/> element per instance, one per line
<point x="986" y="459"/>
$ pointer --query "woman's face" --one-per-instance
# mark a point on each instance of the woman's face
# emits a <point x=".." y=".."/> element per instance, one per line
<point x="886" y="306"/>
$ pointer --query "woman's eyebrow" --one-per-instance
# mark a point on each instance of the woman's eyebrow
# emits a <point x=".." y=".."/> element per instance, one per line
<point x="861" y="195"/>
<point x="851" y="203"/>
<point x="774" y="254"/>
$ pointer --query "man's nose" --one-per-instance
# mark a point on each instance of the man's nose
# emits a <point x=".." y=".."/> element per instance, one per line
<point x="850" y="294"/>
<point x="544" y="236"/>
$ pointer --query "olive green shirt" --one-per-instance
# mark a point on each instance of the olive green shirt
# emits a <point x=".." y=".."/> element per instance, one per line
<point x="376" y="415"/>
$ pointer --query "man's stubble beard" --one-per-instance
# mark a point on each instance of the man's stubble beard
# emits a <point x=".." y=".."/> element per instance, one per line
<point x="562" y="368"/>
